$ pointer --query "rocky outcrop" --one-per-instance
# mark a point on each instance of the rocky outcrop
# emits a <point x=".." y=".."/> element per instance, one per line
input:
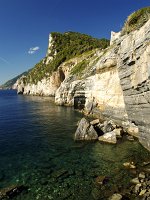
<point x="118" y="85"/>
<point x="12" y="191"/>
<point x="107" y="131"/>
<point x="85" y="131"/>
<point x="109" y="137"/>
<point x="134" y="74"/>
<point x="46" y="86"/>
<point x="114" y="82"/>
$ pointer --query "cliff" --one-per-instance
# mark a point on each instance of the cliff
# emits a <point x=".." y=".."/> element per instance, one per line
<point x="46" y="77"/>
<point x="10" y="83"/>
<point x="112" y="83"/>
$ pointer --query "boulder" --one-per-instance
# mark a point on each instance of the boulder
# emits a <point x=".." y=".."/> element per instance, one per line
<point x="135" y="181"/>
<point x="142" y="175"/>
<point x="142" y="192"/>
<point x="94" y="122"/>
<point x="91" y="134"/>
<point x="85" y="131"/>
<point x="100" y="180"/>
<point x="118" y="132"/>
<point x="12" y="191"/>
<point x="109" y="137"/>
<point x="133" y="130"/>
<point x="129" y="165"/>
<point x="116" y="197"/>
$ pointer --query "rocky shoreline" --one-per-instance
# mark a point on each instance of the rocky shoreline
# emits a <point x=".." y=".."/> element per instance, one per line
<point x="109" y="132"/>
<point x="113" y="83"/>
<point x="105" y="131"/>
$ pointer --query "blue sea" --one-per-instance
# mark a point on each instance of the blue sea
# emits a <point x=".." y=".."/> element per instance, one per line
<point x="38" y="151"/>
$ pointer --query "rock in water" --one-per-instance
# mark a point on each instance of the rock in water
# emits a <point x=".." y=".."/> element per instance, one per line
<point x="109" y="137"/>
<point x="100" y="180"/>
<point x="85" y="131"/>
<point x="129" y="165"/>
<point x="82" y="129"/>
<point x="133" y="130"/>
<point x="91" y="134"/>
<point x="116" y="197"/>
<point x="12" y="191"/>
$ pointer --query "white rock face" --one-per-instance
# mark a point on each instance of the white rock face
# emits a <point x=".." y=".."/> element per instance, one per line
<point x="116" y="86"/>
<point x="50" y="55"/>
<point x="120" y="86"/>
<point x="104" y="87"/>
<point x="109" y="137"/>
<point x="46" y="86"/>
<point x="134" y="74"/>
<point x="114" y="36"/>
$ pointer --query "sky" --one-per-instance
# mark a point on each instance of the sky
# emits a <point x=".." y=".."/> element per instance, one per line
<point x="25" y="26"/>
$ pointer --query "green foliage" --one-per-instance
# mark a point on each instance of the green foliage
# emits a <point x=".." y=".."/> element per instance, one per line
<point x="136" y="20"/>
<point x="79" y="68"/>
<point x="36" y="74"/>
<point x="67" y="46"/>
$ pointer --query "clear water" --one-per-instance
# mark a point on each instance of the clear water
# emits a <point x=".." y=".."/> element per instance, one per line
<point x="37" y="150"/>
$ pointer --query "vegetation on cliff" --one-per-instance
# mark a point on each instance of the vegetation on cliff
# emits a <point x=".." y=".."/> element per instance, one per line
<point x="136" y="20"/>
<point x="66" y="46"/>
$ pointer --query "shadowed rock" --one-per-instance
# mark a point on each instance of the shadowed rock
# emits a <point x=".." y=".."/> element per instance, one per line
<point x="85" y="131"/>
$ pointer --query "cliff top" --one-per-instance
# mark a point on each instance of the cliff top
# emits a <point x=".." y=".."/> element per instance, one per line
<point x="62" y="47"/>
<point x="136" y="20"/>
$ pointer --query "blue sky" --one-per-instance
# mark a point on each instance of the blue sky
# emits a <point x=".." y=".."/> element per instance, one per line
<point x="26" y="24"/>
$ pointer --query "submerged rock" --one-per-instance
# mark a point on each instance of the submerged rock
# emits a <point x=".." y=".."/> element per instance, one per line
<point x="12" y="191"/>
<point x="59" y="173"/>
<point x="141" y="186"/>
<point x="135" y="181"/>
<point x="142" y="175"/>
<point x="129" y="165"/>
<point x="116" y="197"/>
<point x="100" y="180"/>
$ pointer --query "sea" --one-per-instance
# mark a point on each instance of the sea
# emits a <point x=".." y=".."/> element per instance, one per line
<point x="39" y="154"/>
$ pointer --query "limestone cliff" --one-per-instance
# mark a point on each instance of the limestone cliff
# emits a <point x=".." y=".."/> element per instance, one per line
<point x="47" y="75"/>
<point x="115" y="82"/>
<point x="118" y="84"/>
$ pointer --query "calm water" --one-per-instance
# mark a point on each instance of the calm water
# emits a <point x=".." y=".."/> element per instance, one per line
<point x="37" y="150"/>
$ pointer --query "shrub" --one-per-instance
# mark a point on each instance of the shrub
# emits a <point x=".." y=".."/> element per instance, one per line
<point x="79" y="68"/>
<point x="66" y="46"/>
<point x="136" y="20"/>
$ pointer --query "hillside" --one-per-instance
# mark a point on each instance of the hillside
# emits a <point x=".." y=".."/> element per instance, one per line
<point x="63" y="47"/>
<point x="9" y="84"/>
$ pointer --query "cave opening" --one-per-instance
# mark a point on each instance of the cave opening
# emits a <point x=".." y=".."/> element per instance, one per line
<point x="79" y="102"/>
